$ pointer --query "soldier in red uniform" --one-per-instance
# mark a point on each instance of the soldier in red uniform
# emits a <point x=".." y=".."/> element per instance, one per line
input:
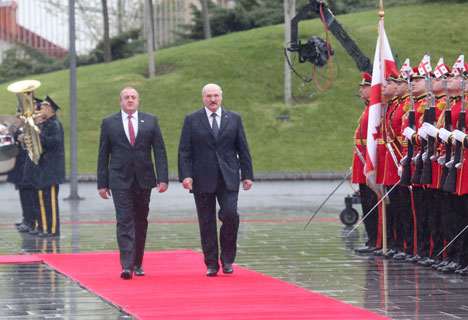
<point x="452" y="205"/>
<point x="388" y="165"/>
<point x="368" y="197"/>
<point x="433" y="194"/>
<point x="402" y="193"/>
<point x="419" y="208"/>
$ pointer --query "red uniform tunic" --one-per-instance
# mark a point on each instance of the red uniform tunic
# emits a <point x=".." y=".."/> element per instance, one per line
<point x="394" y="121"/>
<point x="419" y="107"/>
<point x="436" y="167"/>
<point x="360" y="138"/>
<point x="381" y="147"/>
<point x="462" y="173"/>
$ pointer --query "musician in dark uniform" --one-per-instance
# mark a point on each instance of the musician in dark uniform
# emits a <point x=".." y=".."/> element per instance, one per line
<point x="46" y="177"/>
<point x="15" y="176"/>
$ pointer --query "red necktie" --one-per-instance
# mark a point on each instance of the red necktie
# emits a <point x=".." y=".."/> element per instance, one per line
<point x="131" y="132"/>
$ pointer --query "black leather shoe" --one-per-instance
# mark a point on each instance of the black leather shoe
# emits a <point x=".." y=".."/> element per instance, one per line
<point x="426" y="262"/>
<point x="378" y="252"/>
<point x="441" y="264"/>
<point x="34" y="232"/>
<point x="389" y="254"/>
<point x="126" y="274"/>
<point x="365" y="249"/>
<point x="211" y="272"/>
<point x="451" y="268"/>
<point x="23" y="228"/>
<point x="462" y="272"/>
<point x="44" y="234"/>
<point x="17" y="224"/>
<point x="227" y="268"/>
<point x="400" y="256"/>
<point x="139" y="271"/>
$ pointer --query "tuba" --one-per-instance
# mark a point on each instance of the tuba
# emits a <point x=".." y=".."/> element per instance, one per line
<point x="31" y="141"/>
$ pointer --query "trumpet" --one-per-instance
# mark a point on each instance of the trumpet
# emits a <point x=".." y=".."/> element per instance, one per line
<point x="24" y="91"/>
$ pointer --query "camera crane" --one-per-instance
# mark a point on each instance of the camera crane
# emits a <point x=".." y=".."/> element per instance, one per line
<point x="316" y="50"/>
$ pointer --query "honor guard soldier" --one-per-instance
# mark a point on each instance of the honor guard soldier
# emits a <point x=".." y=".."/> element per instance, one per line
<point x="453" y="206"/>
<point x="368" y="197"/>
<point x="422" y="235"/>
<point x="400" y="197"/>
<point x="386" y="168"/>
<point x="434" y="194"/>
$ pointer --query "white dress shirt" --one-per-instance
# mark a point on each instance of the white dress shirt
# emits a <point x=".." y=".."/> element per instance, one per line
<point x="210" y="118"/>
<point x="134" y="122"/>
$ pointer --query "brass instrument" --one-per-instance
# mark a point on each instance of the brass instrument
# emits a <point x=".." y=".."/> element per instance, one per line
<point x="25" y="91"/>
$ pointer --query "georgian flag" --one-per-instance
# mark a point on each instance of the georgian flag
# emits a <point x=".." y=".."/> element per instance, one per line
<point x="459" y="67"/>
<point x="425" y="65"/>
<point x="406" y="71"/>
<point x="383" y="66"/>
<point x="440" y="69"/>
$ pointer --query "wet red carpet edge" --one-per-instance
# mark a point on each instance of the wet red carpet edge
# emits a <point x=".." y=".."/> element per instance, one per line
<point x="175" y="287"/>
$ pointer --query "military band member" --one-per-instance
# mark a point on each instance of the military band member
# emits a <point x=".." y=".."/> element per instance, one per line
<point x="46" y="177"/>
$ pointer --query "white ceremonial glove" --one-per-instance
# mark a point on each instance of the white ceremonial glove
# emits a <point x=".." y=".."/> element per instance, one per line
<point x="441" y="160"/>
<point x="403" y="159"/>
<point x="424" y="156"/>
<point x="408" y="133"/>
<point x="400" y="171"/>
<point x="429" y="129"/>
<point x="459" y="135"/>
<point x="422" y="133"/>
<point x="444" y="134"/>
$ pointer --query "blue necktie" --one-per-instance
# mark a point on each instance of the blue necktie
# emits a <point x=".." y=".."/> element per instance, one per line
<point x="215" y="127"/>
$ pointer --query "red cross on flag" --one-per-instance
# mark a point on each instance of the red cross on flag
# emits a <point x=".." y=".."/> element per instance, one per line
<point x="384" y="65"/>
<point x="440" y="69"/>
<point x="425" y="65"/>
<point x="406" y="70"/>
<point x="459" y="67"/>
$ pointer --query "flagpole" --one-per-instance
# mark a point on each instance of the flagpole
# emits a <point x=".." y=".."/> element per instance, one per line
<point x="383" y="106"/>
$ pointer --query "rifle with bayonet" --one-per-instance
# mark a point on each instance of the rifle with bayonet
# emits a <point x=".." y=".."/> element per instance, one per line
<point x="451" y="181"/>
<point x="406" y="161"/>
<point x="448" y="145"/>
<point x="426" y="176"/>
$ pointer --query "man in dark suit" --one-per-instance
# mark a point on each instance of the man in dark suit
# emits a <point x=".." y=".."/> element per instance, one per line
<point x="125" y="166"/>
<point x="212" y="149"/>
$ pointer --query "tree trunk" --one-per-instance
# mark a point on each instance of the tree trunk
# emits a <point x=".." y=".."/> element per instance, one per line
<point x="106" y="40"/>
<point x="206" y="19"/>
<point x="149" y="27"/>
<point x="289" y="12"/>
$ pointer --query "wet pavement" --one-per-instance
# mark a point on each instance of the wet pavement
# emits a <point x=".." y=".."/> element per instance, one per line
<point x="271" y="241"/>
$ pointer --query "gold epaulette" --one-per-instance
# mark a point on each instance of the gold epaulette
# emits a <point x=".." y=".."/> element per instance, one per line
<point x="357" y="142"/>
<point x="422" y="107"/>
<point x="441" y="105"/>
<point x="381" y="141"/>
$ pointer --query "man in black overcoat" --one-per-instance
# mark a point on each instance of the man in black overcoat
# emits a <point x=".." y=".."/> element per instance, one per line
<point x="213" y="148"/>
<point x="125" y="168"/>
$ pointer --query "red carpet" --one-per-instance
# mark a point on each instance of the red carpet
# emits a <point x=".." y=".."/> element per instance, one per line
<point x="175" y="287"/>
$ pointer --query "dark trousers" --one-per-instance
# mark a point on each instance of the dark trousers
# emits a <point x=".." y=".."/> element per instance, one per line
<point x="28" y="200"/>
<point x="422" y="228"/>
<point x="131" y="208"/>
<point x="371" y="223"/>
<point x="434" y="221"/>
<point x="397" y="211"/>
<point x="206" y="210"/>
<point x="463" y="248"/>
<point x="49" y="220"/>
<point x="449" y="202"/>
<point x="405" y="214"/>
